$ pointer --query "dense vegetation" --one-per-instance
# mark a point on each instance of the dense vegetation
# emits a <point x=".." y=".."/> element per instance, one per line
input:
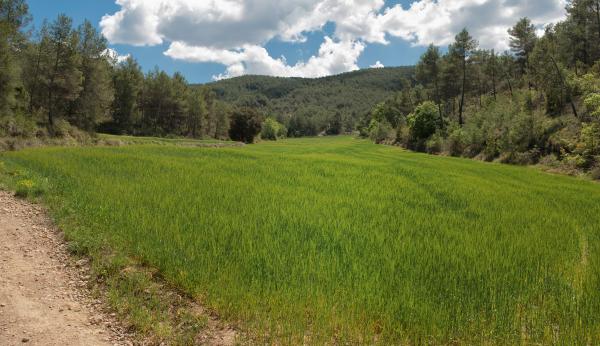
<point x="314" y="240"/>
<point x="540" y="102"/>
<point x="308" y="107"/>
<point x="62" y="81"/>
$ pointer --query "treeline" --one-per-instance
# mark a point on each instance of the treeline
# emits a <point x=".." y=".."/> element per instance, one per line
<point x="63" y="81"/>
<point x="537" y="103"/>
<point x="312" y="106"/>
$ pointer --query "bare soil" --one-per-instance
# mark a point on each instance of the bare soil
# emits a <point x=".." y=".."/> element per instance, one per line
<point x="44" y="298"/>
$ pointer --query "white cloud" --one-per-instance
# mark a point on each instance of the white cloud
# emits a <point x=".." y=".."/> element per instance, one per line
<point x="438" y="21"/>
<point x="333" y="57"/>
<point x="234" y="32"/>
<point x="378" y="64"/>
<point x="115" y="56"/>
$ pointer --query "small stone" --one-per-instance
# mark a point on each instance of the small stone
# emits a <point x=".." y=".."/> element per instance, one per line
<point x="24" y="340"/>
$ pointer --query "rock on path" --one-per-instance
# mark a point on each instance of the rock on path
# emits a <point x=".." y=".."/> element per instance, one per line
<point x="43" y="299"/>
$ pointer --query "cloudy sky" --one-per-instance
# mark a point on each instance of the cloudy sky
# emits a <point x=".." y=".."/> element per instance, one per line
<point x="211" y="39"/>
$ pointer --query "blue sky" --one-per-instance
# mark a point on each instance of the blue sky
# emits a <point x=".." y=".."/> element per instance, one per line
<point x="391" y="33"/>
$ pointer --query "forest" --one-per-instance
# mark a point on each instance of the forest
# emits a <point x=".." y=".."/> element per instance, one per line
<point x="538" y="103"/>
<point x="62" y="81"/>
<point x="307" y="106"/>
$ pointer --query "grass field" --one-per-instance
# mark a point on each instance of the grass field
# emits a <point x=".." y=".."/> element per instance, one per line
<point x="185" y="142"/>
<point x="340" y="240"/>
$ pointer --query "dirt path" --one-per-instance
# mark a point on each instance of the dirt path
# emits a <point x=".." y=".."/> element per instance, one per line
<point x="43" y="300"/>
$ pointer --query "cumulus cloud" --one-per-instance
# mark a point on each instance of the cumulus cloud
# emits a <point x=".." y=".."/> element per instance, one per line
<point x="378" y="64"/>
<point x="115" y="56"/>
<point x="333" y="57"/>
<point x="437" y="21"/>
<point x="234" y="32"/>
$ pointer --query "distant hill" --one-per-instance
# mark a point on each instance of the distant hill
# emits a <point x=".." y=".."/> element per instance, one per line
<point x="350" y="95"/>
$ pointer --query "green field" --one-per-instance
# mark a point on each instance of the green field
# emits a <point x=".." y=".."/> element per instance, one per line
<point x="340" y="240"/>
<point x="184" y="142"/>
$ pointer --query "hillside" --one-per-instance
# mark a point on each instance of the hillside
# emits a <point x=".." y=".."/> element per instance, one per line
<point x="349" y="95"/>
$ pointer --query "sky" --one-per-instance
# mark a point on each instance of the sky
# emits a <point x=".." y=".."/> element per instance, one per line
<point x="212" y="39"/>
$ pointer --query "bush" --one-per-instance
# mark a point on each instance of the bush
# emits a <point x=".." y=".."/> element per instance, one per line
<point x="246" y="124"/>
<point x="381" y="132"/>
<point x="424" y="121"/>
<point x="273" y="130"/>
<point x="595" y="173"/>
<point x="529" y="157"/>
<point x="18" y="126"/>
<point x="456" y="143"/>
<point x="435" y="143"/>
<point x="550" y="161"/>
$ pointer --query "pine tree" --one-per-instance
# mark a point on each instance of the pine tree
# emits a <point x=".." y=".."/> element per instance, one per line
<point x="428" y="73"/>
<point x="61" y="77"/>
<point x="14" y="16"/>
<point x="128" y="82"/>
<point x="93" y="104"/>
<point x="522" y="42"/>
<point x="461" y="50"/>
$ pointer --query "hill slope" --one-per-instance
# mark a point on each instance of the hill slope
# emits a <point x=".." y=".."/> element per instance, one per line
<point x="350" y="95"/>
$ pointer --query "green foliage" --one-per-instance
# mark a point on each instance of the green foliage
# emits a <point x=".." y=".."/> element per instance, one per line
<point x="18" y="125"/>
<point x="522" y="41"/>
<point x="92" y="106"/>
<point x="511" y="108"/>
<point x="128" y="82"/>
<point x="423" y="248"/>
<point x="424" y="121"/>
<point x="592" y="103"/>
<point x="272" y="130"/>
<point x="457" y="141"/>
<point x="246" y="124"/>
<point x="307" y="106"/>
<point x="380" y="132"/>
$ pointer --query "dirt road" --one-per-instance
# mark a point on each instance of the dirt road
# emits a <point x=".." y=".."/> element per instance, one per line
<point x="43" y="300"/>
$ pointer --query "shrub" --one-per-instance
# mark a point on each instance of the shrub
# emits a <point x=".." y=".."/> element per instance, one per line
<point x="550" y="161"/>
<point x="272" y="130"/>
<point x="434" y="144"/>
<point x="521" y="158"/>
<point x="424" y="121"/>
<point x="381" y="132"/>
<point x="246" y="124"/>
<point x="18" y="126"/>
<point x="457" y="142"/>
<point x="592" y="103"/>
<point x="595" y="173"/>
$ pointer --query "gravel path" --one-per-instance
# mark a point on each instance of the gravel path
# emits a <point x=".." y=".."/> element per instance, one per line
<point x="43" y="298"/>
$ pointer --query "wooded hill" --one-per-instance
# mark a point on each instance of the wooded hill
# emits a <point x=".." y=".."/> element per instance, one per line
<point x="310" y="105"/>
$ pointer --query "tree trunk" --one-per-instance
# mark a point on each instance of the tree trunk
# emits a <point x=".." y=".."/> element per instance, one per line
<point x="509" y="84"/>
<point x="35" y="81"/>
<point x="494" y="83"/>
<point x="462" y="96"/>
<point x="51" y="93"/>
<point x="598" y="17"/>
<point x="438" y="101"/>
<point x="564" y="86"/>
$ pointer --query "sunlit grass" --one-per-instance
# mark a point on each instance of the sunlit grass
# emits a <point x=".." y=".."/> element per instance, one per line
<point x="337" y="239"/>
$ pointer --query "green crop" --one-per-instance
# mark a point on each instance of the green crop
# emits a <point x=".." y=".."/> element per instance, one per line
<point x="337" y="240"/>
